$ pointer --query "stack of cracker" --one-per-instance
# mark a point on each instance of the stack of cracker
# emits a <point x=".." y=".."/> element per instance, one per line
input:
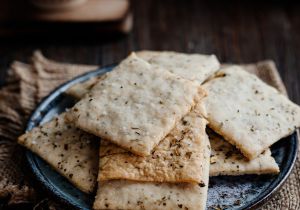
<point x="151" y="114"/>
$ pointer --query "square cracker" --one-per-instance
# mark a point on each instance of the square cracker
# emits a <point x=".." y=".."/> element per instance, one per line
<point x="70" y="151"/>
<point x="189" y="66"/>
<point x="124" y="194"/>
<point x="178" y="158"/>
<point x="136" y="105"/>
<point x="225" y="159"/>
<point x="247" y="112"/>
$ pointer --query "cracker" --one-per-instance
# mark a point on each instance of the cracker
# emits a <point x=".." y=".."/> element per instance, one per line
<point x="247" y="112"/>
<point x="189" y="66"/>
<point x="80" y="89"/>
<point x="154" y="195"/>
<point x="227" y="160"/>
<point x="70" y="151"/>
<point x="124" y="194"/>
<point x="136" y="105"/>
<point x="178" y="158"/>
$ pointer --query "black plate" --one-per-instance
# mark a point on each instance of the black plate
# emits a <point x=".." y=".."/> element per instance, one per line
<point x="242" y="192"/>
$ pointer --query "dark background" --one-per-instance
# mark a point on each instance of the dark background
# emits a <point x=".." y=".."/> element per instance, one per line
<point x="236" y="31"/>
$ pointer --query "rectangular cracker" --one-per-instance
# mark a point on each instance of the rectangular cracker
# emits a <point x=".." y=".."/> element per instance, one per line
<point x="247" y="112"/>
<point x="124" y="194"/>
<point x="178" y="158"/>
<point x="70" y="151"/>
<point x="225" y="159"/>
<point x="189" y="66"/>
<point x="136" y="105"/>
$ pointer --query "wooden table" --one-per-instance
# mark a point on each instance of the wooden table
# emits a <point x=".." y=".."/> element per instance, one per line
<point x="233" y="30"/>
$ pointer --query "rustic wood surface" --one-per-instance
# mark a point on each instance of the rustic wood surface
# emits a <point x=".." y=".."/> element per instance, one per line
<point x="236" y="31"/>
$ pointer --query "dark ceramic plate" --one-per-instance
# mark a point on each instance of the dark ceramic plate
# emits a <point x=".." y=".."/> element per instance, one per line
<point x="242" y="192"/>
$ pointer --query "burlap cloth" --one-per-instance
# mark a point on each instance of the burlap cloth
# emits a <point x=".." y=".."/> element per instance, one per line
<point x="27" y="84"/>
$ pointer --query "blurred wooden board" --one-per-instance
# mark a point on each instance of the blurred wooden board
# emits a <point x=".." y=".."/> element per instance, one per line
<point x="92" y="10"/>
<point x="19" y="16"/>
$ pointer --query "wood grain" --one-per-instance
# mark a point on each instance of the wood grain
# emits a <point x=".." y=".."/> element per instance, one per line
<point x="236" y="31"/>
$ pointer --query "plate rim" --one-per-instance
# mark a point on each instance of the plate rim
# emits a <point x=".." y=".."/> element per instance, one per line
<point x="46" y="185"/>
<point x="274" y="188"/>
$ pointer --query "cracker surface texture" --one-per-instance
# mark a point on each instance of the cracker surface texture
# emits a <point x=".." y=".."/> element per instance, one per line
<point x="71" y="152"/>
<point x="247" y="112"/>
<point x="124" y="194"/>
<point x="189" y="66"/>
<point x="136" y="105"/>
